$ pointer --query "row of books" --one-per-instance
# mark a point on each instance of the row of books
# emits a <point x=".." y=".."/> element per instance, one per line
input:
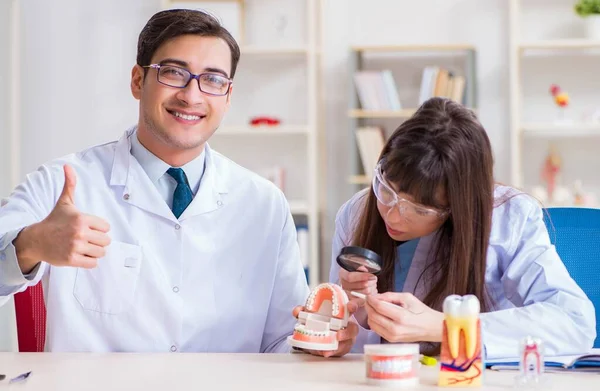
<point x="440" y="82"/>
<point x="376" y="90"/>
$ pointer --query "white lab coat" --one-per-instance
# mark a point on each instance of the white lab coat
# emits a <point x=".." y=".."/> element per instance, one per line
<point x="223" y="278"/>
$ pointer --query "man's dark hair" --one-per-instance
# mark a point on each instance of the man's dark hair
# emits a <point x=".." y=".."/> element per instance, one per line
<point x="169" y="24"/>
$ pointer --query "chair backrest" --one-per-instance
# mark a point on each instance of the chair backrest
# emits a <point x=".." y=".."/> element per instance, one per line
<point x="575" y="232"/>
<point x="30" y="312"/>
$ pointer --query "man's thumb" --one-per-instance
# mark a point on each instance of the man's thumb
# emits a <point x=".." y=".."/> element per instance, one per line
<point x="68" y="193"/>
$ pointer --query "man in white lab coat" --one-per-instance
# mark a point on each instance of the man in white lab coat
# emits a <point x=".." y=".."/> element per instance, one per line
<point x="155" y="242"/>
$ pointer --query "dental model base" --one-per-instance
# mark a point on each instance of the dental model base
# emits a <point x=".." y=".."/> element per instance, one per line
<point x="325" y="312"/>
<point x="461" y="363"/>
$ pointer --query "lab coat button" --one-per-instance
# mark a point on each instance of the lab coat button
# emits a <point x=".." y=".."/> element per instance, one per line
<point x="177" y="226"/>
<point x="126" y="196"/>
<point x="173" y="348"/>
<point x="220" y="203"/>
<point x="175" y="289"/>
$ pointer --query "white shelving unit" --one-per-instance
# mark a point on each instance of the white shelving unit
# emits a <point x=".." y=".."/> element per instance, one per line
<point x="535" y="125"/>
<point x="406" y="62"/>
<point x="277" y="76"/>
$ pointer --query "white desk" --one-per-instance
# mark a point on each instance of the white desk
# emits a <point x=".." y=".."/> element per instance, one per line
<point x="222" y="372"/>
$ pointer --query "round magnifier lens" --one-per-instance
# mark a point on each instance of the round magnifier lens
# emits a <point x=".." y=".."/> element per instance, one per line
<point x="351" y="258"/>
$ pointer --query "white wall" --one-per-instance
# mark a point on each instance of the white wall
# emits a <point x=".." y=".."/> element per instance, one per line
<point x="77" y="59"/>
<point x="4" y="97"/>
<point x="7" y="311"/>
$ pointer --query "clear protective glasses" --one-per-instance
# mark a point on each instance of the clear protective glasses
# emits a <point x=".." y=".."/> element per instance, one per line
<point x="409" y="210"/>
<point x="174" y="76"/>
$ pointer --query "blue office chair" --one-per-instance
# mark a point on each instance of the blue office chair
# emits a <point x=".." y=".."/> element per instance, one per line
<point x="575" y="232"/>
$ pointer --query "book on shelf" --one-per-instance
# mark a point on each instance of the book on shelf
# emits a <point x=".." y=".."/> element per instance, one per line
<point x="370" y="141"/>
<point x="440" y="82"/>
<point x="585" y="362"/>
<point x="377" y="90"/>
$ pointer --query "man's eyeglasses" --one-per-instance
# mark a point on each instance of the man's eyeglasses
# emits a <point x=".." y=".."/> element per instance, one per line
<point x="209" y="83"/>
<point x="411" y="211"/>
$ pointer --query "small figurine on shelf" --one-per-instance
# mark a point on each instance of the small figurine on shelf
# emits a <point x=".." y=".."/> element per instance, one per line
<point x="550" y="172"/>
<point x="581" y="197"/>
<point x="460" y="356"/>
<point x="561" y="99"/>
<point x="578" y="194"/>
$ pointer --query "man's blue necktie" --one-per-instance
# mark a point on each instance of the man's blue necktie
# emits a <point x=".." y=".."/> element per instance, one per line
<point x="183" y="194"/>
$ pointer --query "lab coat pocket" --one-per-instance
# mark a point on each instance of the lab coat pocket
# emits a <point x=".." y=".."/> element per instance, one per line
<point x="110" y="287"/>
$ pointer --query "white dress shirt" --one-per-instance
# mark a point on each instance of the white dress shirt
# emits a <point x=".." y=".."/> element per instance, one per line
<point x="531" y="289"/>
<point x="224" y="277"/>
<point x="156" y="170"/>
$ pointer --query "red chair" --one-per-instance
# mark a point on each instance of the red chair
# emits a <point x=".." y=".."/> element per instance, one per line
<point x="31" y="319"/>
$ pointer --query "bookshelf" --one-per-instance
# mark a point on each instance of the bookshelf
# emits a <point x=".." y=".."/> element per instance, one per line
<point x="546" y="48"/>
<point x="277" y="77"/>
<point x="389" y="82"/>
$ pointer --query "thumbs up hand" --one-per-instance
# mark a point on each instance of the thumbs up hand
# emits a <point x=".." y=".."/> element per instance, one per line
<point x="66" y="237"/>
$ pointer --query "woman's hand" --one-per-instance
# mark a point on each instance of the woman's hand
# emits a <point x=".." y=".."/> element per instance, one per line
<point x="362" y="282"/>
<point x="359" y="281"/>
<point x="401" y="317"/>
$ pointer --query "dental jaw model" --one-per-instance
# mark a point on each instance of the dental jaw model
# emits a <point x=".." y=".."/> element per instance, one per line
<point x="461" y="362"/>
<point x="325" y="312"/>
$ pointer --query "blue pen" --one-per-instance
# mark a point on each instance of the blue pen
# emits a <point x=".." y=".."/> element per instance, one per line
<point x="19" y="378"/>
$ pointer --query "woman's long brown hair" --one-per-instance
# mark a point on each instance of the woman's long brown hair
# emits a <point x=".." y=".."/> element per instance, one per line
<point x="442" y="147"/>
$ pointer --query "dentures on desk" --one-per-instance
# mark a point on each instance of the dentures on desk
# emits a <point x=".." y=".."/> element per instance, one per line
<point x="324" y="313"/>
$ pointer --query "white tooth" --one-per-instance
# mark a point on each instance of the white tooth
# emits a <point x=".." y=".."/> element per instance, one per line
<point x="470" y="311"/>
<point x="461" y="306"/>
<point x="470" y="306"/>
<point x="187" y="117"/>
<point x="462" y="313"/>
<point x="452" y="305"/>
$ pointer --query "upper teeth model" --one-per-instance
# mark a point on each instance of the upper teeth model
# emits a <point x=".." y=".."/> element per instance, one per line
<point x="324" y="292"/>
<point x="462" y="313"/>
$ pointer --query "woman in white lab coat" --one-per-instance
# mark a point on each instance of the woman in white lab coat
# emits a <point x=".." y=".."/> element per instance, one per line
<point x="442" y="227"/>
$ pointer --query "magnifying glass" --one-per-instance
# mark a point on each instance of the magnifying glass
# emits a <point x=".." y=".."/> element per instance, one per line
<point x="352" y="257"/>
